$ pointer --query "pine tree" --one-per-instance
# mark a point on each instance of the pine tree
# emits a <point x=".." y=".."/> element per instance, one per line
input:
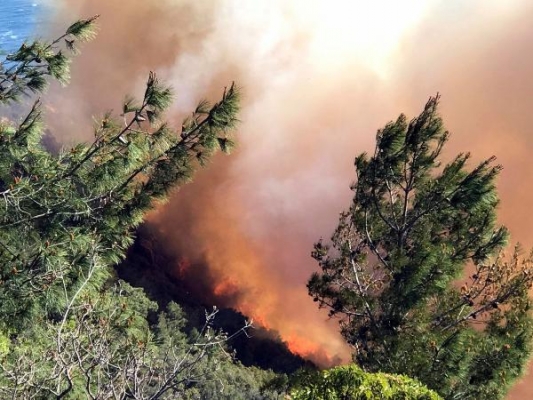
<point x="394" y="272"/>
<point x="68" y="327"/>
<point x="63" y="216"/>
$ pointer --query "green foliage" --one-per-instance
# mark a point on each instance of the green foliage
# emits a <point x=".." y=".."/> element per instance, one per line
<point x="25" y="71"/>
<point x="105" y="347"/>
<point x="68" y="327"/>
<point x="4" y="345"/>
<point x="62" y="216"/>
<point x="352" y="383"/>
<point x="390" y="272"/>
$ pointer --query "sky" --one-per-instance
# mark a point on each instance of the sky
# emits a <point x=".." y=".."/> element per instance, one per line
<point x="318" y="79"/>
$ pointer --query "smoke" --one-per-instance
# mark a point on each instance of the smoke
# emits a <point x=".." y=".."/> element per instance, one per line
<point x="319" y="78"/>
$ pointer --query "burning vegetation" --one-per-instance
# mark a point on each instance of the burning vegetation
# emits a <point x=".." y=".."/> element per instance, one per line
<point x="239" y="237"/>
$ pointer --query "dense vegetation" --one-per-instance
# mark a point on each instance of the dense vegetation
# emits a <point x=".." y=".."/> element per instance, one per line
<point x="391" y="271"/>
<point x="351" y="382"/>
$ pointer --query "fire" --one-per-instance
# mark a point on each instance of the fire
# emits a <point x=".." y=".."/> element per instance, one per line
<point x="309" y="349"/>
<point x="236" y="273"/>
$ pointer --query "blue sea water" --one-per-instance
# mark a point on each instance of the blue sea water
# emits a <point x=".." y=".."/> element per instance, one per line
<point x="18" y="21"/>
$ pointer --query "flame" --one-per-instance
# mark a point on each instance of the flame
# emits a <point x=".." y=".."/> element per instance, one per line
<point x="308" y="348"/>
<point x="238" y="276"/>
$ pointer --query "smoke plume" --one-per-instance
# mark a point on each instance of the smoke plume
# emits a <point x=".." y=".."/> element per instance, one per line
<point x="318" y="78"/>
